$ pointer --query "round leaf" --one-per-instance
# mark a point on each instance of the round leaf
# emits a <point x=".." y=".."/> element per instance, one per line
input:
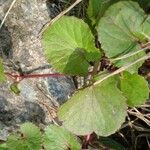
<point x="135" y="88"/>
<point x="120" y="31"/>
<point x="69" y="46"/>
<point x="57" y="138"/>
<point x="100" y="109"/>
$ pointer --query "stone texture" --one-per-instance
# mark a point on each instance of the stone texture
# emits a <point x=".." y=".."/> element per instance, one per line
<point x="19" y="42"/>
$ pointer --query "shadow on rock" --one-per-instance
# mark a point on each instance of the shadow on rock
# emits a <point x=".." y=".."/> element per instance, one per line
<point x="54" y="8"/>
<point x="33" y="113"/>
<point x="6" y="116"/>
<point x="5" y="43"/>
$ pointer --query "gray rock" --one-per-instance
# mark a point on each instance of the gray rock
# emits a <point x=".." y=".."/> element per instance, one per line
<point x="61" y="88"/>
<point x="19" y="42"/>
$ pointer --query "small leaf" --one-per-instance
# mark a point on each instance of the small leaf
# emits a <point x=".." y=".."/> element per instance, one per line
<point x="100" y="109"/>
<point x="14" y="88"/>
<point x="135" y="88"/>
<point x="120" y="32"/>
<point x="57" y="138"/>
<point x="29" y="140"/>
<point x="69" y="46"/>
<point x="2" y="75"/>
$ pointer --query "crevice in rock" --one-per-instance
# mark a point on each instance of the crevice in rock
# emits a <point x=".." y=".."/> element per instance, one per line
<point x="5" y="43"/>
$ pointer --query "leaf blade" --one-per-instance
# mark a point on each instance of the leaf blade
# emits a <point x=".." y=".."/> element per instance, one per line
<point x="73" y="43"/>
<point x="135" y="89"/>
<point x="91" y="110"/>
<point x="119" y="32"/>
<point x="57" y="138"/>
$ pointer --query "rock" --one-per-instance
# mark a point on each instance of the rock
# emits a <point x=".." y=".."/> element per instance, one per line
<point x="61" y="88"/>
<point x="5" y="43"/>
<point x="19" y="42"/>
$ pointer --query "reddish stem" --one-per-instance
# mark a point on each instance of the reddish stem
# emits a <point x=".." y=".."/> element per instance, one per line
<point x="86" y="141"/>
<point x="21" y="77"/>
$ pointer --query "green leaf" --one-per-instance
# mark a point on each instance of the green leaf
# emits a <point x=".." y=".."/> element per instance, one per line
<point x="96" y="9"/>
<point x="135" y="88"/>
<point x="3" y="146"/>
<point x="13" y="143"/>
<point x="69" y="46"/>
<point x="146" y="27"/>
<point x="2" y="75"/>
<point x="57" y="138"/>
<point x="14" y="88"/>
<point x="29" y="140"/>
<point x="100" y="108"/>
<point x="120" y="31"/>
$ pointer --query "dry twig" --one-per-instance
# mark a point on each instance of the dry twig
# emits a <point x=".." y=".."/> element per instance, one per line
<point x="11" y="6"/>
<point x="122" y="69"/>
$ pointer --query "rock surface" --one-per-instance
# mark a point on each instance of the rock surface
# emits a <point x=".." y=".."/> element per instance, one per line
<point x="19" y="42"/>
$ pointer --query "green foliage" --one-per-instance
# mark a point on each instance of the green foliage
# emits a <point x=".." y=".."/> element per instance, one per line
<point x="99" y="108"/>
<point x="121" y="30"/>
<point x="69" y="46"/>
<point x="135" y="89"/>
<point x="3" y="146"/>
<point x="57" y="138"/>
<point x="2" y="75"/>
<point x="31" y="138"/>
<point x="97" y="8"/>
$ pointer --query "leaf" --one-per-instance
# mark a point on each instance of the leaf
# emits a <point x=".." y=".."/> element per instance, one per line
<point x="57" y="138"/>
<point x="69" y="46"/>
<point x="135" y="88"/>
<point x="100" y="109"/>
<point x="13" y="143"/>
<point x="96" y="9"/>
<point x="3" y="146"/>
<point x="146" y="27"/>
<point x="29" y="140"/>
<point x="120" y="31"/>
<point x="14" y="88"/>
<point x="2" y="75"/>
